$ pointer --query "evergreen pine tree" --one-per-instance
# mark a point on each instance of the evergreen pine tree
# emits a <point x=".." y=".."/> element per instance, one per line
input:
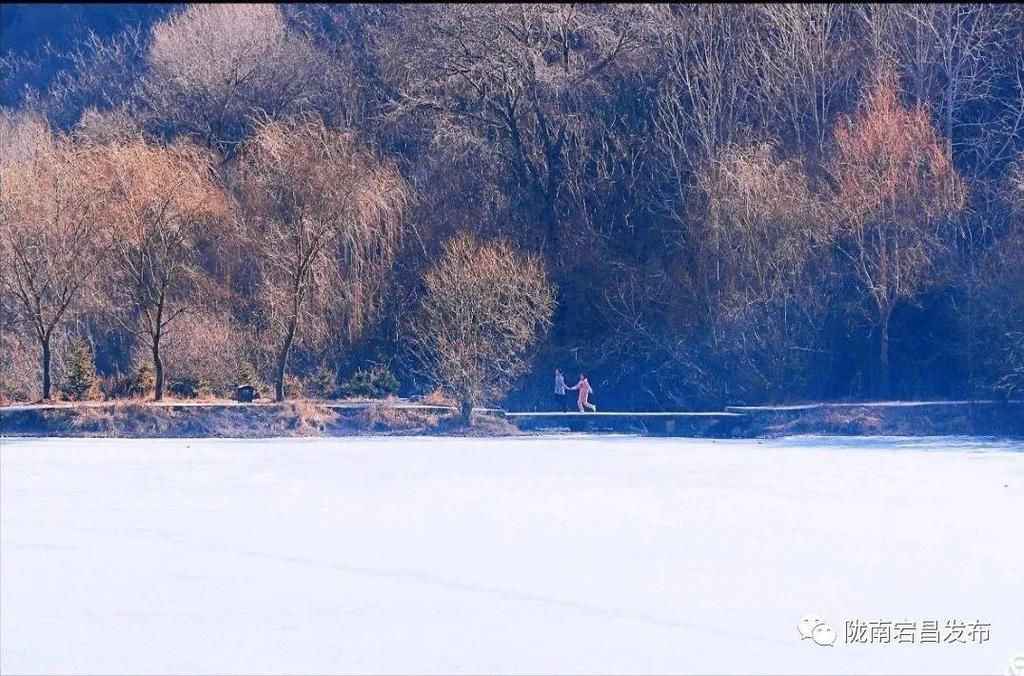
<point x="80" y="377"/>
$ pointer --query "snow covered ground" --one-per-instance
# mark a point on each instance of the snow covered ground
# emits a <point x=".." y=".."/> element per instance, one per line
<point x="526" y="555"/>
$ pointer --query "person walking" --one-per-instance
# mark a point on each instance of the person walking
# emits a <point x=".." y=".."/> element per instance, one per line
<point x="561" y="398"/>
<point x="584" y="389"/>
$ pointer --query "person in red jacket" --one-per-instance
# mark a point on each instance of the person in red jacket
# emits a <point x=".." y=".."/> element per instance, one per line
<point x="583" y="386"/>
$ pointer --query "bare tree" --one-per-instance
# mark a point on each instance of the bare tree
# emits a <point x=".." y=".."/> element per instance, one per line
<point x="212" y="67"/>
<point x="483" y="307"/>
<point x="703" y="106"/>
<point x="776" y="242"/>
<point x="101" y="74"/>
<point x="950" y="55"/>
<point x="514" y="82"/>
<point x="209" y="348"/>
<point x="1004" y="295"/>
<point x="896" y="186"/>
<point x="773" y="220"/>
<point x="50" y="240"/>
<point x="19" y="375"/>
<point x="807" y="64"/>
<point x="159" y="203"/>
<point x="753" y="340"/>
<point x="323" y="216"/>
<point x="107" y="126"/>
<point x="966" y="62"/>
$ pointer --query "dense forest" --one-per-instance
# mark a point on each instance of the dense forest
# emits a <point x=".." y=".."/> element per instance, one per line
<point x="694" y="204"/>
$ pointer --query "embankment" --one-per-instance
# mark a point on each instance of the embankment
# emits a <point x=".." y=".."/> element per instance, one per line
<point x="898" y="418"/>
<point x="306" y="418"/>
<point x="300" y="418"/>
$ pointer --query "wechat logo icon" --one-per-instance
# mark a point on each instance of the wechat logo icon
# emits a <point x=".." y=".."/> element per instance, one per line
<point x="812" y="627"/>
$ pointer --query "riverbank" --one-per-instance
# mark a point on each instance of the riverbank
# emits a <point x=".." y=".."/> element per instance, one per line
<point x="136" y="419"/>
<point x="401" y="417"/>
<point x="888" y="418"/>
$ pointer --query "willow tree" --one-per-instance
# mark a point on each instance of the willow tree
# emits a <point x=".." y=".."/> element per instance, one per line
<point x="896" y="184"/>
<point x="50" y="239"/>
<point x="160" y="202"/>
<point x="484" y="306"/>
<point x="322" y="220"/>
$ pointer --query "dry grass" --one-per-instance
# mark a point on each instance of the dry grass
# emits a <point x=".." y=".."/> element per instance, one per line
<point x="438" y="398"/>
<point x="131" y="420"/>
<point x="855" y="421"/>
<point x="381" y="416"/>
<point x="869" y="420"/>
<point x="483" y="426"/>
<point x="302" y="418"/>
<point x="90" y="419"/>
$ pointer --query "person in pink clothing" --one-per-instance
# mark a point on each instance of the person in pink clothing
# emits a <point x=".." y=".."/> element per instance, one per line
<point x="583" y="386"/>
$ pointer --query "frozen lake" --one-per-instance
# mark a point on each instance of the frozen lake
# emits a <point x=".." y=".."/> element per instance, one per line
<point x="525" y="555"/>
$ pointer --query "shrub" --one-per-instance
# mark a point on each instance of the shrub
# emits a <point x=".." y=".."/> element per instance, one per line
<point x="323" y="383"/>
<point x="376" y="383"/>
<point x="19" y="368"/>
<point x="191" y="387"/>
<point x="117" y="385"/>
<point x="143" y="382"/>
<point x="80" y="381"/>
<point x="294" y="386"/>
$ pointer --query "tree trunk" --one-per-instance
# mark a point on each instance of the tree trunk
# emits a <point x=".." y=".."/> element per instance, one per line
<point x="282" y="362"/>
<point x="158" y="369"/>
<point x="46" y="368"/>
<point x="550" y="218"/>
<point x="466" y="412"/>
<point x="884" y="355"/>
<point x="158" y="364"/>
<point x="279" y="383"/>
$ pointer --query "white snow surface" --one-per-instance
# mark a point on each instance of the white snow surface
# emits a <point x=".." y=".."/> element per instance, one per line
<point x="573" y="554"/>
